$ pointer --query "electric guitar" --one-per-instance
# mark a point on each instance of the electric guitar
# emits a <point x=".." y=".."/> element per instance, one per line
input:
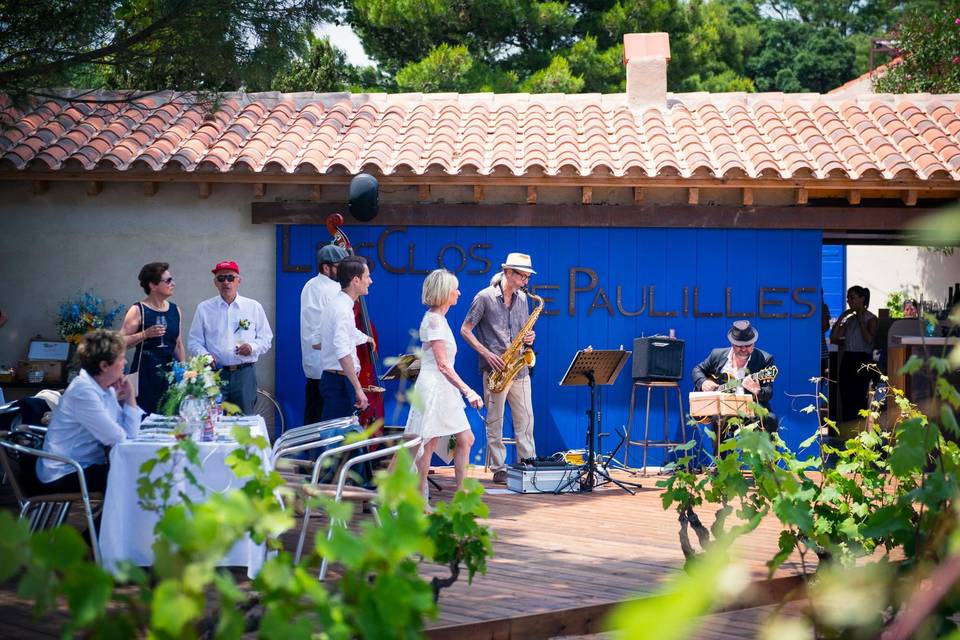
<point x="729" y="385"/>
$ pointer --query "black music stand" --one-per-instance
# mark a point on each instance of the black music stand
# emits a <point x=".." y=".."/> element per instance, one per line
<point x="592" y="367"/>
<point x="406" y="367"/>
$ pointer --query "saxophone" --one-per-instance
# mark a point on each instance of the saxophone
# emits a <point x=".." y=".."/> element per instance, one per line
<point x="518" y="355"/>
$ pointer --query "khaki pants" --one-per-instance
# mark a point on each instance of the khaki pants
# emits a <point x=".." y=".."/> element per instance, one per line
<point x="517" y="394"/>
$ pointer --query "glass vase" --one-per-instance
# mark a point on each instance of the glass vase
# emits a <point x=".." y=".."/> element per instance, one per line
<point x="194" y="412"/>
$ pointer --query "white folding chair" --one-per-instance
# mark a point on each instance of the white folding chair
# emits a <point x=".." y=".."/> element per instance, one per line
<point x="340" y="491"/>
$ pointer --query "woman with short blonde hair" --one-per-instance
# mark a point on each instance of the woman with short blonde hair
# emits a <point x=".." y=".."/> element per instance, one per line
<point x="97" y="410"/>
<point x="438" y="410"/>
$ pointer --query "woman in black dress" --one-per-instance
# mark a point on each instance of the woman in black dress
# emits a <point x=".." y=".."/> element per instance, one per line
<point x="153" y="326"/>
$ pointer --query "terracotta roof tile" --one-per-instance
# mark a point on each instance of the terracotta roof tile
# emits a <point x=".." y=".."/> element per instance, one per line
<point x="759" y="135"/>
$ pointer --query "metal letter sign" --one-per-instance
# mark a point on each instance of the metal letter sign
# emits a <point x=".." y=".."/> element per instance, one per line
<point x="601" y="287"/>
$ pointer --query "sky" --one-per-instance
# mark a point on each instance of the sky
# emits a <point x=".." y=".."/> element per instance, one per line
<point x="343" y="37"/>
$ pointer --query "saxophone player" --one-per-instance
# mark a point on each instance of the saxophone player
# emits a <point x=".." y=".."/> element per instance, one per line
<point x="498" y="319"/>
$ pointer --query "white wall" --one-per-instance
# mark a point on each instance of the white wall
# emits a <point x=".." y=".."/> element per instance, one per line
<point x="916" y="270"/>
<point x="63" y="242"/>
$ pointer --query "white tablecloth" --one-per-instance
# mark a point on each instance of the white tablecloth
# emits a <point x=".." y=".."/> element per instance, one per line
<point x="126" y="530"/>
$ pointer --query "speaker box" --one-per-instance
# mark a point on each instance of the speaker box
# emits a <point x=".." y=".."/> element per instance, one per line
<point x="657" y="358"/>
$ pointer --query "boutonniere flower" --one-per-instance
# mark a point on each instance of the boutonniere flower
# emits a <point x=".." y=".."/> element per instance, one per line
<point x="243" y="324"/>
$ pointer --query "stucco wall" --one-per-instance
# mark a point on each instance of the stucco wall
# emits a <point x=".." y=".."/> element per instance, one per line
<point x="915" y="270"/>
<point x="62" y="242"/>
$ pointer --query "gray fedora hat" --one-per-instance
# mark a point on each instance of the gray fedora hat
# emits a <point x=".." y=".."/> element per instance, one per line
<point x="742" y="334"/>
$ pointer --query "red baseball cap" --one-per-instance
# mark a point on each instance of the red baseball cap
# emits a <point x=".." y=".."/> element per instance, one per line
<point x="226" y="265"/>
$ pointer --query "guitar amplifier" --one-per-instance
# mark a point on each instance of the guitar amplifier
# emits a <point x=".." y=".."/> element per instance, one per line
<point x="657" y="358"/>
<point x="526" y="479"/>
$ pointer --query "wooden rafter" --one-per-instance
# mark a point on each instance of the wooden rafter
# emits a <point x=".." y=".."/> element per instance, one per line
<point x="531" y="194"/>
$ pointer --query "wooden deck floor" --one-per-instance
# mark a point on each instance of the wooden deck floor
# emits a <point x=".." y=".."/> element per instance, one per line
<point x="552" y="552"/>
<point x="556" y="552"/>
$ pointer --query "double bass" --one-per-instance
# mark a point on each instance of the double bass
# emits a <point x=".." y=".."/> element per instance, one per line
<point x="367" y="352"/>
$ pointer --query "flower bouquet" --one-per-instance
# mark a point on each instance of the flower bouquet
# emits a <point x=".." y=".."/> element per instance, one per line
<point x="84" y="313"/>
<point x="194" y="393"/>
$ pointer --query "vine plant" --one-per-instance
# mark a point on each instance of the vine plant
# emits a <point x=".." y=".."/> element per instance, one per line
<point x="380" y="593"/>
<point x="885" y="505"/>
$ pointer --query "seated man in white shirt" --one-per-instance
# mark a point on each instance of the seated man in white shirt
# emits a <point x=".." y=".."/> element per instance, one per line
<point x="98" y="409"/>
<point x="338" y="338"/>
<point x="233" y="330"/>
<point x="315" y="297"/>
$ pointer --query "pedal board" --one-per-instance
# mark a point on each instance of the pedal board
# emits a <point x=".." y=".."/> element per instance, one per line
<point x="543" y="479"/>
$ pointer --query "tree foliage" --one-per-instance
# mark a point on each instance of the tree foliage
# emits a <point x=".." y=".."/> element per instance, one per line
<point x="537" y="46"/>
<point x="465" y="46"/>
<point x="796" y="57"/>
<point x="184" y="45"/>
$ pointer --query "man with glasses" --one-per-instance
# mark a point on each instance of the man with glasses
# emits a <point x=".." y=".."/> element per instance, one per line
<point x="497" y="313"/>
<point x="233" y="330"/>
<point x="314" y="298"/>
<point x="737" y="362"/>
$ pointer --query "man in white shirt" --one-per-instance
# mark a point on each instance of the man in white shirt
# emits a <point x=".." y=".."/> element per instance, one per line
<point x="233" y="330"/>
<point x="315" y="297"/>
<point x="339" y="338"/>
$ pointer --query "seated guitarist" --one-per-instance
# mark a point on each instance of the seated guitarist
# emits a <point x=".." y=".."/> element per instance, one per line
<point x="737" y="362"/>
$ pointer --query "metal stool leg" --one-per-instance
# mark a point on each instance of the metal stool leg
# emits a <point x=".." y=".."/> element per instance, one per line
<point x="626" y="449"/>
<point x="646" y="433"/>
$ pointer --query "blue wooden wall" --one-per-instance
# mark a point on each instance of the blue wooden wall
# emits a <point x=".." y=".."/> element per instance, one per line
<point x="785" y="263"/>
<point x="834" y="259"/>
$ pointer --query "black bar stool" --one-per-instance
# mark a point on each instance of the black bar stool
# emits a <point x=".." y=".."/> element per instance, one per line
<point x="666" y="443"/>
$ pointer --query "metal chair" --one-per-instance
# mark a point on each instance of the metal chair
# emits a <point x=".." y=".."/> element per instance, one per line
<point x="46" y="510"/>
<point x="340" y="491"/>
<point x="267" y="407"/>
<point x="304" y="433"/>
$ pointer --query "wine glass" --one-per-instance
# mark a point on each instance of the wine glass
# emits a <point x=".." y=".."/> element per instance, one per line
<point x="162" y="321"/>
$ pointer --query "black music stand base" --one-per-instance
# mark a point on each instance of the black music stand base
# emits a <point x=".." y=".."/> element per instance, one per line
<point x="587" y="368"/>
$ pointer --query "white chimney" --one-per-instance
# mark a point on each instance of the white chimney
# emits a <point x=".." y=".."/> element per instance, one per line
<point x="646" y="56"/>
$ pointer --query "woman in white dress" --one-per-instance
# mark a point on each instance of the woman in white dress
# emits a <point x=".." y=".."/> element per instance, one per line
<point x="438" y="410"/>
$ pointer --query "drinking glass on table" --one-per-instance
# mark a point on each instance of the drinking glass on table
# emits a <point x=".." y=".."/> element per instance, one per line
<point x="162" y="322"/>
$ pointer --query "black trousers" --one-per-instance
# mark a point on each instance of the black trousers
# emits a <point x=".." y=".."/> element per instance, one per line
<point x="313" y="402"/>
<point x="95" y="476"/>
<point x="854" y="383"/>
